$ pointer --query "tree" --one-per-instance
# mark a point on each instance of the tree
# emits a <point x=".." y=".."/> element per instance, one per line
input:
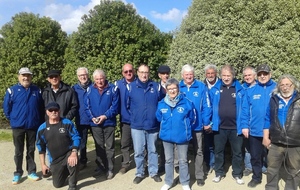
<point x="113" y="34"/>
<point x="33" y="42"/>
<point x="240" y="33"/>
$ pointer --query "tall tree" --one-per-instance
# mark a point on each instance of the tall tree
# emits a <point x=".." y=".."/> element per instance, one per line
<point x="239" y="33"/>
<point x="111" y="35"/>
<point x="33" y="42"/>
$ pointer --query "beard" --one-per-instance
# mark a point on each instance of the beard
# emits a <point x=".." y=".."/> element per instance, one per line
<point x="286" y="94"/>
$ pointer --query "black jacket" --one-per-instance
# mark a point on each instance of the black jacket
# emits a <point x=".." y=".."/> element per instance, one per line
<point x="65" y="97"/>
<point x="289" y="134"/>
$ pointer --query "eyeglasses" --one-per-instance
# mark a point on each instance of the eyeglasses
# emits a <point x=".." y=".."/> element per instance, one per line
<point x="128" y="71"/>
<point x="172" y="89"/>
<point x="164" y="73"/>
<point x="53" y="110"/>
<point x="82" y="75"/>
<point x="144" y="72"/>
<point x="53" y="76"/>
<point x="262" y="74"/>
<point x="286" y="85"/>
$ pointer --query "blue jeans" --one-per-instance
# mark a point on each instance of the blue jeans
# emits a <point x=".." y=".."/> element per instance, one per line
<point x="236" y="143"/>
<point x="182" y="150"/>
<point x="198" y="154"/>
<point x="141" y="139"/>
<point x="247" y="155"/>
<point x="277" y="155"/>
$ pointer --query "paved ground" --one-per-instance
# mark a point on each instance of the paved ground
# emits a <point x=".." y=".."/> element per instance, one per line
<point x="119" y="182"/>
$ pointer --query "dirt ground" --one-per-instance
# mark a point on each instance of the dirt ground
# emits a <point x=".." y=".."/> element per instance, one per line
<point x="119" y="182"/>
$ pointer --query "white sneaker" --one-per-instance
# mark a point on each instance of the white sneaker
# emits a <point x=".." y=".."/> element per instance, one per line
<point x="217" y="179"/>
<point x="186" y="187"/>
<point x="239" y="181"/>
<point x="165" y="187"/>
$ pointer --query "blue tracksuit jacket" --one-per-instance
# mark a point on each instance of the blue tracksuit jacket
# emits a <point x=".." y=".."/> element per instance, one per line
<point x="215" y="99"/>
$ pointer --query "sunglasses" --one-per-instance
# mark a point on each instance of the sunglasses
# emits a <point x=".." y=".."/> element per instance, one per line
<point x="53" y="110"/>
<point x="53" y="76"/>
<point x="128" y="71"/>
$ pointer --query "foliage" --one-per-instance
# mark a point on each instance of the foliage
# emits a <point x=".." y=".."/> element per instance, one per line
<point x="5" y="135"/>
<point x="113" y="34"/>
<point x="33" y="42"/>
<point x="239" y="33"/>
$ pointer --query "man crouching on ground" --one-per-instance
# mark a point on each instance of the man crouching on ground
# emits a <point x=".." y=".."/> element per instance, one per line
<point x="60" y="137"/>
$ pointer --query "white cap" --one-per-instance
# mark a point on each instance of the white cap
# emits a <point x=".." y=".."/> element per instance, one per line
<point x="24" y="70"/>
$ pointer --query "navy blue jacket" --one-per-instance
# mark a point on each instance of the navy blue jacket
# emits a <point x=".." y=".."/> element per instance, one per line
<point x="81" y="117"/>
<point x="107" y="104"/>
<point x="24" y="108"/>
<point x="142" y="104"/>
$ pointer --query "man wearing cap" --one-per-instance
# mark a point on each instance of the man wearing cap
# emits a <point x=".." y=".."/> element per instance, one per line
<point x="255" y="103"/>
<point x="23" y="107"/>
<point x="126" y="141"/>
<point x="60" y="138"/>
<point x="61" y="93"/>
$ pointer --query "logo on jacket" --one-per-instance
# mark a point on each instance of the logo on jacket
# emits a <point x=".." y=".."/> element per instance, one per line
<point x="164" y="110"/>
<point x="180" y="109"/>
<point x="108" y="93"/>
<point x="256" y="96"/>
<point x="196" y="94"/>
<point x="233" y="95"/>
<point x="152" y="90"/>
<point x="62" y="130"/>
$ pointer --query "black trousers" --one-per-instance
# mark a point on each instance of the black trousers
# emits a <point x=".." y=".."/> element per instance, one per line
<point x="19" y="137"/>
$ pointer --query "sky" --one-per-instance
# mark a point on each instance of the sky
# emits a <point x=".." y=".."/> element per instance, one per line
<point x="166" y="15"/>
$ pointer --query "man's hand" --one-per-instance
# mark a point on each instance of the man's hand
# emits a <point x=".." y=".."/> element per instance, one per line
<point x="207" y="129"/>
<point x="45" y="169"/>
<point x="73" y="159"/>
<point x="245" y="133"/>
<point x="266" y="142"/>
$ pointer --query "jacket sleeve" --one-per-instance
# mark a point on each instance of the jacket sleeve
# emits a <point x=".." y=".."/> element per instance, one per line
<point x="114" y="108"/>
<point x="245" y="116"/>
<point x="158" y="113"/>
<point x="74" y="136"/>
<point x="74" y="105"/>
<point x="7" y="104"/>
<point x="87" y="106"/>
<point x="192" y="114"/>
<point x="206" y="107"/>
<point x="267" y="118"/>
<point x="40" y="139"/>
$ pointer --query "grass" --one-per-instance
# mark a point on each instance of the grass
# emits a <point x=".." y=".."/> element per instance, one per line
<point x="5" y="135"/>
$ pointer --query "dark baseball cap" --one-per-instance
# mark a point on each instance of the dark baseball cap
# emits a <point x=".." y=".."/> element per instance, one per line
<point x="263" y="68"/>
<point x="52" y="105"/>
<point x="54" y="73"/>
<point x="163" y="69"/>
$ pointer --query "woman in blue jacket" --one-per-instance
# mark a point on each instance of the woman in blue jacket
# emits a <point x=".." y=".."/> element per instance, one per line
<point x="177" y="115"/>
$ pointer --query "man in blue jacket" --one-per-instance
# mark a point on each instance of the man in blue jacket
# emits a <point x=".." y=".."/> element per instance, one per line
<point x="143" y="97"/>
<point x="102" y="104"/>
<point x="226" y="98"/>
<point x="197" y="92"/>
<point x="255" y="103"/>
<point x="23" y="107"/>
<point x="81" y="119"/>
<point x="128" y="77"/>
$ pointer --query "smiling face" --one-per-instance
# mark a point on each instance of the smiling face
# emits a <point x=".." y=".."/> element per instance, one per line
<point x="249" y="76"/>
<point x="143" y="73"/>
<point x="25" y="80"/>
<point x="99" y="80"/>
<point x="172" y="91"/>
<point x="227" y="77"/>
<point x="128" y="72"/>
<point x="82" y="76"/>
<point x="211" y="75"/>
<point x="188" y="77"/>
<point x="263" y="77"/>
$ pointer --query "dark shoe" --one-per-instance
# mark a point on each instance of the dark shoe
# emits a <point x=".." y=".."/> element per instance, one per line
<point x="253" y="183"/>
<point x="177" y="169"/>
<point x="161" y="169"/>
<point x="156" y="178"/>
<point x="72" y="188"/>
<point x="200" y="182"/>
<point x="110" y="175"/>
<point x="82" y="166"/>
<point x="137" y="180"/>
<point x="123" y="170"/>
<point x="99" y="172"/>
<point x="247" y="172"/>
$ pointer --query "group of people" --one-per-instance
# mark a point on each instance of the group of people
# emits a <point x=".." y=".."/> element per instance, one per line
<point x="258" y="118"/>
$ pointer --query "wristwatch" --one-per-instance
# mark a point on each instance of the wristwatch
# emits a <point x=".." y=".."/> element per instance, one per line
<point x="74" y="150"/>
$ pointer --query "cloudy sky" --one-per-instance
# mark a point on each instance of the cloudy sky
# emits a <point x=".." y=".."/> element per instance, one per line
<point x="165" y="14"/>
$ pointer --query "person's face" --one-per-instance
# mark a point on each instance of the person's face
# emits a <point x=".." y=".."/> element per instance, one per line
<point x="227" y="77"/>
<point x="128" y="72"/>
<point x="164" y="77"/>
<point x="82" y="76"/>
<point x="143" y="73"/>
<point x="99" y="81"/>
<point x="53" y="113"/>
<point x="54" y="80"/>
<point x="188" y="77"/>
<point x="286" y="87"/>
<point x="25" y="80"/>
<point x="263" y="77"/>
<point x="172" y="91"/>
<point x="249" y="76"/>
<point x="210" y="75"/>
